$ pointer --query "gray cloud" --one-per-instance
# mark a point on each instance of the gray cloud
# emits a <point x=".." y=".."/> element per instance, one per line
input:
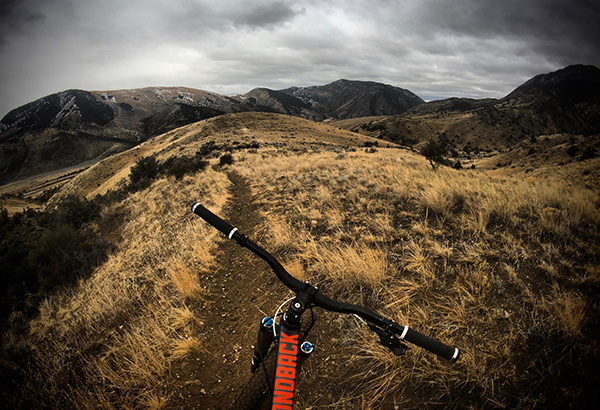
<point x="435" y="48"/>
<point x="15" y="18"/>
<point x="266" y="15"/>
<point x="561" y="30"/>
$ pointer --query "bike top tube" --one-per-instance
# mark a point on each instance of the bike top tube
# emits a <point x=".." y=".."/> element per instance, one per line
<point x="322" y="301"/>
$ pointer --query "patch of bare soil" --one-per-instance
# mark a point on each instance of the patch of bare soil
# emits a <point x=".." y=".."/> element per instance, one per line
<point x="239" y="289"/>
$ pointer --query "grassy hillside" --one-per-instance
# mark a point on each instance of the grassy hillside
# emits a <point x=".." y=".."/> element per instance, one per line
<point x="237" y="132"/>
<point x="493" y="143"/>
<point x="506" y="268"/>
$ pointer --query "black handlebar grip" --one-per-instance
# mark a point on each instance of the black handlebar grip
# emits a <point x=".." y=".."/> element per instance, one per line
<point x="214" y="220"/>
<point x="428" y="343"/>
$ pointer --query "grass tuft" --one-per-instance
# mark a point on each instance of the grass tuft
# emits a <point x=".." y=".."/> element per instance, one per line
<point x="186" y="282"/>
<point x="186" y="347"/>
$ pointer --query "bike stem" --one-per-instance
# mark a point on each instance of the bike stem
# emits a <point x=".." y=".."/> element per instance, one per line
<point x="288" y="347"/>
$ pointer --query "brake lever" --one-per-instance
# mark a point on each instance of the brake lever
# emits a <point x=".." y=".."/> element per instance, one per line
<point x="389" y="340"/>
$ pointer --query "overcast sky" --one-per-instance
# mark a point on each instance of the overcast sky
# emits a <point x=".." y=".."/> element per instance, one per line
<point x="435" y="48"/>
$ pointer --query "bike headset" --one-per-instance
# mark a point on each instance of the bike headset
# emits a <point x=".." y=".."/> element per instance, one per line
<point x="385" y="328"/>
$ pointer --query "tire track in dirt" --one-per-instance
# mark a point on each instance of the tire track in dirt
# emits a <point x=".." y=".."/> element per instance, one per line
<point x="238" y="289"/>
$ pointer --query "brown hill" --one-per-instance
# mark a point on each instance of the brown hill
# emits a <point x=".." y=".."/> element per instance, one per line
<point x="565" y="102"/>
<point x="272" y="132"/>
<point x="352" y="99"/>
<point x="74" y="126"/>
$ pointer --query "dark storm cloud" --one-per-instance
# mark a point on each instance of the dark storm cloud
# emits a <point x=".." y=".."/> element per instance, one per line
<point x="435" y="48"/>
<point x="565" y="32"/>
<point x="190" y="18"/>
<point x="569" y="33"/>
<point x="16" y="17"/>
<point x="265" y="15"/>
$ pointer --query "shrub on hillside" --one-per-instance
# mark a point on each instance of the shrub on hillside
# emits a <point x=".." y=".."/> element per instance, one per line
<point x="226" y="159"/>
<point x="572" y="150"/>
<point x="55" y="258"/>
<point x="434" y="151"/>
<point x="143" y="172"/>
<point x="588" y="153"/>
<point x="75" y="211"/>
<point x="41" y="252"/>
<point x="208" y="148"/>
<point x="148" y="169"/>
<point x="4" y="218"/>
<point x="179" y="166"/>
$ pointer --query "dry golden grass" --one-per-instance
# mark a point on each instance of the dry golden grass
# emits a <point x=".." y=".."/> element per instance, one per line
<point x="122" y="328"/>
<point x="296" y="269"/>
<point x="504" y="268"/>
<point x="110" y="342"/>
<point x="347" y="265"/>
<point x="184" y="319"/>
<point x="186" y="347"/>
<point x="156" y="402"/>
<point x="186" y="281"/>
<point x="568" y="310"/>
<point x="477" y="261"/>
<point x="271" y="131"/>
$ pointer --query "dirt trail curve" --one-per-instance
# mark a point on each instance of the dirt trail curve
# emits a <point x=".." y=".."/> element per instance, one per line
<point x="240" y="287"/>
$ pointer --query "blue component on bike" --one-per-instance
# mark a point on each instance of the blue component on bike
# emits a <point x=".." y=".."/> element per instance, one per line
<point x="307" y="347"/>
<point x="267" y="321"/>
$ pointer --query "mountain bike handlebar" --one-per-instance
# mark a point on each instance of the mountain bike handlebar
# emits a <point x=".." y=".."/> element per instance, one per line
<point x="322" y="301"/>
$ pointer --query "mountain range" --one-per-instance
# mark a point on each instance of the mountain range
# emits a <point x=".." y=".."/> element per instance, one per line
<point x="74" y="126"/>
<point x="564" y="103"/>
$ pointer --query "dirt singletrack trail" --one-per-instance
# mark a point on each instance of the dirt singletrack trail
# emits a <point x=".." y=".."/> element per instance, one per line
<point x="239" y="288"/>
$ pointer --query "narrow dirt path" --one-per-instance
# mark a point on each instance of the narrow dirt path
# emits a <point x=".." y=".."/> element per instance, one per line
<point x="242" y="290"/>
<point x="239" y="288"/>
